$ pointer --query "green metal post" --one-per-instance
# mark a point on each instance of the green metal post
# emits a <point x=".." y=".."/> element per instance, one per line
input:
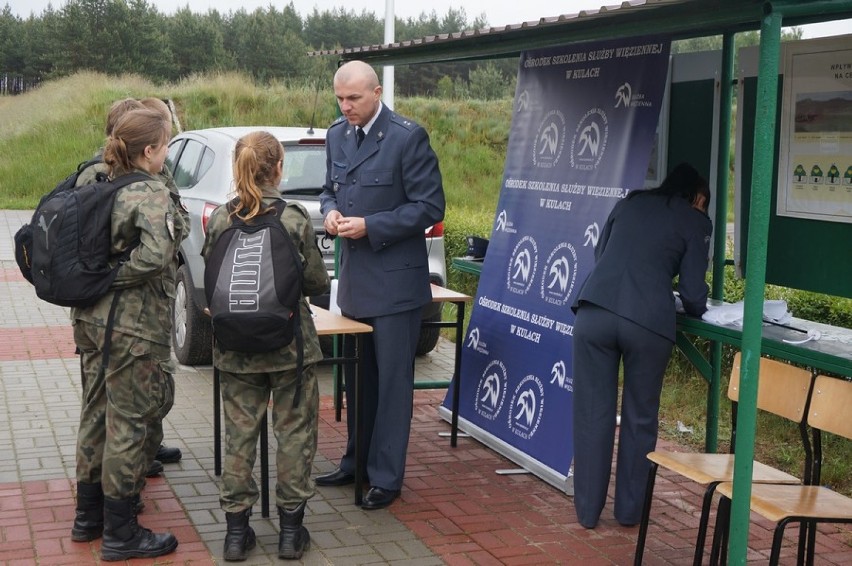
<point x="761" y="183"/>
<point x="723" y="165"/>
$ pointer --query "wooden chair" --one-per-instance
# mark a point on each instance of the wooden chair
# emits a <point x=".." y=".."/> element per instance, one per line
<point x="803" y="504"/>
<point x="782" y="390"/>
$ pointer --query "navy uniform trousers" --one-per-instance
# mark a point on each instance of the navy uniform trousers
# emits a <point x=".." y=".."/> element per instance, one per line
<point x="388" y="387"/>
<point x="602" y="339"/>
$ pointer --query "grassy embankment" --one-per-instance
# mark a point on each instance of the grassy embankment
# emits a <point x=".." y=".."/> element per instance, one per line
<point x="45" y="133"/>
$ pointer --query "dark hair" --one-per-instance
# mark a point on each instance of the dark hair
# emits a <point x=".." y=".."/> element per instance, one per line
<point x="683" y="181"/>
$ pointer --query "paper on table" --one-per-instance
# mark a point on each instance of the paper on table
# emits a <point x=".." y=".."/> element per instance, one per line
<point x="332" y="298"/>
<point x="731" y="314"/>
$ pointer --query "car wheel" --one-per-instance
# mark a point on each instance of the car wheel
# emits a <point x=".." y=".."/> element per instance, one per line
<point x="192" y="334"/>
<point x="429" y="336"/>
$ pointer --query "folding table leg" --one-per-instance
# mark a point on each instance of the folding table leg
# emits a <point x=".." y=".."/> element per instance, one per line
<point x="454" y="426"/>
<point x="359" y="415"/>
<point x="264" y="467"/>
<point x="217" y="424"/>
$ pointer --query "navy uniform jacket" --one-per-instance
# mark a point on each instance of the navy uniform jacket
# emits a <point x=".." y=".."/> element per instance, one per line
<point x="646" y="242"/>
<point x="394" y="182"/>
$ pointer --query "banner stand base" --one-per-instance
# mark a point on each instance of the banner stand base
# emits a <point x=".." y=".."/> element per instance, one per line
<point x="559" y="481"/>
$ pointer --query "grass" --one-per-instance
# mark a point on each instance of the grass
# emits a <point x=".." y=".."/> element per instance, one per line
<point x="61" y="124"/>
<point x="48" y="131"/>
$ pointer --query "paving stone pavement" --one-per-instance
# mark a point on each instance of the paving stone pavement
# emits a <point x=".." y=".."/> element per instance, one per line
<point x="453" y="510"/>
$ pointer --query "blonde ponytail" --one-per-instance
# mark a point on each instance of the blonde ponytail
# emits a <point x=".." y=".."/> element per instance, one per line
<point x="256" y="160"/>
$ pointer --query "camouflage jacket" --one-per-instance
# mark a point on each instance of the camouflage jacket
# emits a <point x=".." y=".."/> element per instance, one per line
<point x="297" y="223"/>
<point x="146" y="211"/>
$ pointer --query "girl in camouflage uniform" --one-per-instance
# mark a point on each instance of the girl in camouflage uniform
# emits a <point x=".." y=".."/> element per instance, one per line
<point x="247" y="379"/>
<point x="158" y="453"/>
<point x="123" y="400"/>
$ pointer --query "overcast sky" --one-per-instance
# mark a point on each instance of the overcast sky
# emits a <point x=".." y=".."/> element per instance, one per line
<point x="497" y="12"/>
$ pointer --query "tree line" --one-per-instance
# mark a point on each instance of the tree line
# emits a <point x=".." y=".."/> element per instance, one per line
<point x="268" y="44"/>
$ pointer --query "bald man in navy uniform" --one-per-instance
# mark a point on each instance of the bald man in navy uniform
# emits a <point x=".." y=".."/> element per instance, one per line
<point x="383" y="189"/>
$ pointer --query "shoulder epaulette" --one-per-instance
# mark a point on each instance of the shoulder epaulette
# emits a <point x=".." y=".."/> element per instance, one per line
<point x="406" y="123"/>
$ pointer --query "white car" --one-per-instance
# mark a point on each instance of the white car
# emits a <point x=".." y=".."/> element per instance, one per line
<point x="201" y="163"/>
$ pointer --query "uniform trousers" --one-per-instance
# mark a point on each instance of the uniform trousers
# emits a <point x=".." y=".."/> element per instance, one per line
<point x="122" y="409"/>
<point x="245" y="398"/>
<point x="602" y="340"/>
<point x="388" y="397"/>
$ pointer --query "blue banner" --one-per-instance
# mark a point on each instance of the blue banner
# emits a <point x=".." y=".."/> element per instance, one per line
<point x="583" y="128"/>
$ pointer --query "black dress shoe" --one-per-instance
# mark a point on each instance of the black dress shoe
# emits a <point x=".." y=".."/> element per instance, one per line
<point x="378" y="498"/>
<point x="168" y="455"/>
<point x="337" y="477"/>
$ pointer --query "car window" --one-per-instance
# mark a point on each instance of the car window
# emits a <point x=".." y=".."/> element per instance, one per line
<point x="304" y="170"/>
<point x="184" y="171"/>
<point x="206" y="162"/>
<point x="174" y="150"/>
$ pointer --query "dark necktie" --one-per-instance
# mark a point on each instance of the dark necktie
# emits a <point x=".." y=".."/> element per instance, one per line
<point x="360" y="135"/>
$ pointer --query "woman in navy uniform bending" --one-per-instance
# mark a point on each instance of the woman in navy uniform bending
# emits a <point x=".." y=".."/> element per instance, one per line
<point x="626" y="315"/>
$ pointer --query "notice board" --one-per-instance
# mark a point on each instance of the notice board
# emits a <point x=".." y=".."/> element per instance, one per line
<point x="810" y="254"/>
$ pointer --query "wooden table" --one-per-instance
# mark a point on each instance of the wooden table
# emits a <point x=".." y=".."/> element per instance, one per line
<point x="830" y="354"/>
<point x="439" y="295"/>
<point x="327" y="324"/>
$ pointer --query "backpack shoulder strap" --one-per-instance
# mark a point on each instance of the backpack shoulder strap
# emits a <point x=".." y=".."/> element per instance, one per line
<point x="115" y="185"/>
<point x="280" y="206"/>
<point x="108" y="334"/>
<point x="130" y="178"/>
<point x="233" y="206"/>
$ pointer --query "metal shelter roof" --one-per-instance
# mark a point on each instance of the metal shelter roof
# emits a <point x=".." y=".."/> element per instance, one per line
<point x="682" y="19"/>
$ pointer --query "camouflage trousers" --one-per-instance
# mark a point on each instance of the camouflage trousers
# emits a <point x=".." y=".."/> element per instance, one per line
<point x="122" y="409"/>
<point x="245" y="398"/>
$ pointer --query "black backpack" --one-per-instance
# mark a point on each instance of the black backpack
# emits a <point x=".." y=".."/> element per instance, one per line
<point x="253" y="283"/>
<point x="65" y="250"/>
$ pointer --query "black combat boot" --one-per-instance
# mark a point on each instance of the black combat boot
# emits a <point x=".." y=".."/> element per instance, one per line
<point x="168" y="454"/>
<point x="138" y="504"/>
<point x="294" y="539"/>
<point x="124" y="538"/>
<point x="240" y="536"/>
<point x="89" y="518"/>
